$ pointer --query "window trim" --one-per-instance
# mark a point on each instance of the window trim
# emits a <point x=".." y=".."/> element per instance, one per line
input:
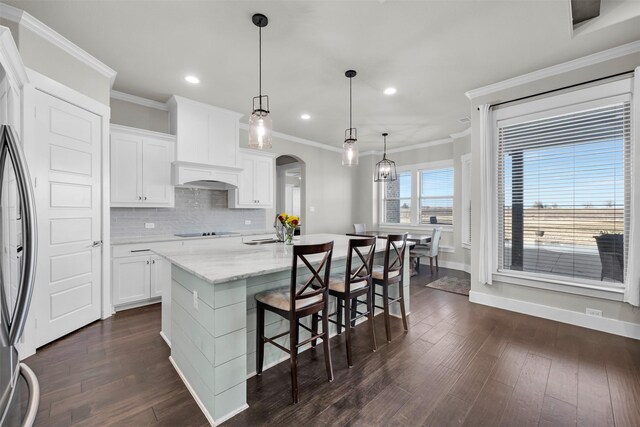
<point x="415" y="170"/>
<point x="596" y="95"/>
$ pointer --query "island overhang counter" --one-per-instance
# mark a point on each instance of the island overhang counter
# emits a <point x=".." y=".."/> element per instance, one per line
<point x="213" y="313"/>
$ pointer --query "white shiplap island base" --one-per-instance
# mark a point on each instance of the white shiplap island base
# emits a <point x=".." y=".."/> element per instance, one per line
<point x="213" y="314"/>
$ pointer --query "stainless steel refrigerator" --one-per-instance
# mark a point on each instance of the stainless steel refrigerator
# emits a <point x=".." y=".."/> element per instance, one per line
<point x="19" y="390"/>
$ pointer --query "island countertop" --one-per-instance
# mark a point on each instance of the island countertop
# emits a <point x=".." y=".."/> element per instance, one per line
<point x="236" y="261"/>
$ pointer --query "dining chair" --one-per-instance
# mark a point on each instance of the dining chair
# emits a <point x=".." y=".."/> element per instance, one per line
<point x="354" y="283"/>
<point x="430" y="250"/>
<point x="359" y="228"/>
<point x="389" y="274"/>
<point x="295" y="303"/>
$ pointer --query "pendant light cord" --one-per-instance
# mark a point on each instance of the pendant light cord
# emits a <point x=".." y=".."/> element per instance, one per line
<point x="350" y="107"/>
<point x="260" y="65"/>
<point x="384" y="152"/>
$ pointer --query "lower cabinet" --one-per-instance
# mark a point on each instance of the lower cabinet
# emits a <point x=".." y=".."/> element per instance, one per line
<point x="139" y="279"/>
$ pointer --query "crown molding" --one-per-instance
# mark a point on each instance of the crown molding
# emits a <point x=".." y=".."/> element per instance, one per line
<point x="302" y="141"/>
<point x="141" y="132"/>
<point x="10" y="59"/>
<point x="31" y="23"/>
<point x="442" y="141"/>
<point x="554" y="70"/>
<point x="139" y="100"/>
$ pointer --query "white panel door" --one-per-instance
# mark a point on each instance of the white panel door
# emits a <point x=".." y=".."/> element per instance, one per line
<point x="263" y="180"/>
<point x="156" y="171"/>
<point x="131" y="278"/>
<point x="160" y="273"/>
<point x="126" y="170"/>
<point x="67" y="176"/>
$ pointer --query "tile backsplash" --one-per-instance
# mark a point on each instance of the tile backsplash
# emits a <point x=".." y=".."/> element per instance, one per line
<point x="195" y="210"/>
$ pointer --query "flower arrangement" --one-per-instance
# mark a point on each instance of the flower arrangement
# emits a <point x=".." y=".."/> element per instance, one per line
<point x="289" y="223"/>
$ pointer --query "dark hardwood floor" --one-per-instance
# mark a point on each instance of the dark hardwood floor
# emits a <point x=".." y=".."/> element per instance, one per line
<point x="459" y="364"/>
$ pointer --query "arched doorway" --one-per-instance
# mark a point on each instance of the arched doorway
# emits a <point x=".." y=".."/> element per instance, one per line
<point x="290" y="187"/>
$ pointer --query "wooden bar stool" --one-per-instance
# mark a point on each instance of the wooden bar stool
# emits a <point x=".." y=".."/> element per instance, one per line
<point x="348" y="287"/>
<point x="392" y="273"/>
<point x="296" y="302"/>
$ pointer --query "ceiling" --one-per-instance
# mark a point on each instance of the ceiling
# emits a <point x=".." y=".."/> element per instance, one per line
<point x="431" y="51"/>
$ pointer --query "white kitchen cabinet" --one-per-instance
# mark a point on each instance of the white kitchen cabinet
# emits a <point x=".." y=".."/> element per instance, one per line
<point x="141" y="168"/>
<point x="160" y="273"/>
<point x="255" y="186"/>
<point x="139" y="279"/>
<point x="131" y="279"/>
<point x="206" y="135"/>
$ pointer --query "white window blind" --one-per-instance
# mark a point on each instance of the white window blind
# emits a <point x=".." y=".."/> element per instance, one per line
<point x="564" y="192"/>
<point x="436" y="196"/>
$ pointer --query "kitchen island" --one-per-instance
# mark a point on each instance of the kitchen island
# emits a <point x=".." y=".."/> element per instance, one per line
<point x="213" y="313"/>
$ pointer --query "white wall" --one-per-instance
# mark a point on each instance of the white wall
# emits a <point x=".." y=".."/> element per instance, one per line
<point x="561" y="303"/>
<point x="327" y="199"/>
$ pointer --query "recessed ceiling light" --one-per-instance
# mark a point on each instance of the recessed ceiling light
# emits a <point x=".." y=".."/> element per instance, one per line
<point x="192" y="79"/>
<point x="390" y="91"/>
<point x="305" y="116"/>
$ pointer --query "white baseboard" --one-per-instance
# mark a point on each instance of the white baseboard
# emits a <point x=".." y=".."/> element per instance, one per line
<point x="206" y="413"/>
<point x="137" y="304"/>
<point x="604" y="324"/>
<point x="449" y="264"/>
<point x="164" y="337"/>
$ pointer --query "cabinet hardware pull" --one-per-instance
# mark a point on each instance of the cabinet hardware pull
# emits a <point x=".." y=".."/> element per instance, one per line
<point x="145" y="197"/>
<point x="140" y="250"/>
<point x="147" y="262"/>
<point x="153" y="262"/>
<point x="96" y="244"/>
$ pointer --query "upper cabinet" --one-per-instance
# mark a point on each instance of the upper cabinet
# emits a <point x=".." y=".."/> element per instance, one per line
<point x="205" y="134"/>
<point x="141" y="168"/>
<point x="255" y="187"/>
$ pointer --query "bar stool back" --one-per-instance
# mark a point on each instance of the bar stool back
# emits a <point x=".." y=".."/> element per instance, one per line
<point x="348" y="287"/>
<point x="392" y="273"/>
<point x="296" y="302"/>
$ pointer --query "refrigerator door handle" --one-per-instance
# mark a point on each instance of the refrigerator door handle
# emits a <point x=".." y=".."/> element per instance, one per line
<point x="27" y="201"/>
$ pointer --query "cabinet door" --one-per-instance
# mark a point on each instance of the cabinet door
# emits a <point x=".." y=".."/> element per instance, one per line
<point x="223" y="134"/>
<point x="126" y="169"/>
<point x="263" y="181"/>
<point x="160" y="275"/>
<point x="131" y="278"/>
<point x="156" y="171"/>
<point x="245" y="186"/>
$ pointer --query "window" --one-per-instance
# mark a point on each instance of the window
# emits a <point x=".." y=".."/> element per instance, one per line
<point x="397" y="200"/>
<point x="422" y="196"/>
<point x="436" y="196"/>
<point x="563" y="190"/>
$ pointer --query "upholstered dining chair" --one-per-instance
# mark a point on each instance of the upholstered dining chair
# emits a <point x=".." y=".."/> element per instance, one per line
<point x="430" y="250"/>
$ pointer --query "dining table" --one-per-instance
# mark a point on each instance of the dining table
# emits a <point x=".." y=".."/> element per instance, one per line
<point x="418" y="239"/>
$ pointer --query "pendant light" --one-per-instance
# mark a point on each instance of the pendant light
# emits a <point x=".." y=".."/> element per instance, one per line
<point x="260" y="121"/>
<point x="385" y="168"/>
<point x="349" y="147"/>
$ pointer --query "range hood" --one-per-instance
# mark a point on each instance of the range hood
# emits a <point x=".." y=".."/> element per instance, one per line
<point x="200" y="175"/>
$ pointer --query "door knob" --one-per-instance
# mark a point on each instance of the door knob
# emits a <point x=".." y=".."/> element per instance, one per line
<point x="96" y="244"/>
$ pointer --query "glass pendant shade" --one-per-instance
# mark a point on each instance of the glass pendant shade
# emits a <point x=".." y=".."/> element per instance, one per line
<point x="350" y="153"/>
<point x="260" y="126"/>
<point x="385" y="168"/>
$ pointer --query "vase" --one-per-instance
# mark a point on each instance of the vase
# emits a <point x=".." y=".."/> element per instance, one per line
<point x="288" y="237"/>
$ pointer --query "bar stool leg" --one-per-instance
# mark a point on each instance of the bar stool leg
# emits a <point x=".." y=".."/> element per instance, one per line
<point x="370" y="308"/>
<point x="402" y="308"/>
<point x="325" y="342"/>
<point x="314" y="327"/>
<point x="260" y="339"/>
<point x="293" y="340"/>
<point x="339" y="315"/>
<point x="347" y="329"/>
<point x="354" y="308"/>
<point x="387" y="322"/>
